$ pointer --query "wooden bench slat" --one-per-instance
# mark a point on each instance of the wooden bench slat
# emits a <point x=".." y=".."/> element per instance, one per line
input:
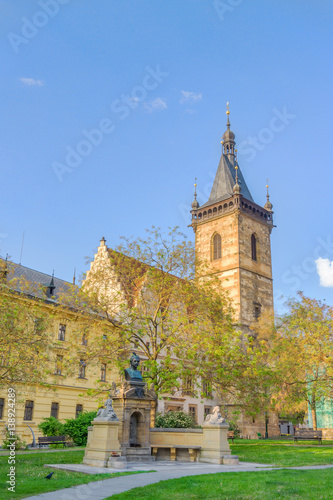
<point x="52" y="440"/>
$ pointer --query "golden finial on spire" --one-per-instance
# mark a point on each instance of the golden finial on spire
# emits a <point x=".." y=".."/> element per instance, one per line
<point x="228" y="113"/>
<point x="236" y="188"/>
<point x="268" y="204"/>
<point x="195" y="203"/>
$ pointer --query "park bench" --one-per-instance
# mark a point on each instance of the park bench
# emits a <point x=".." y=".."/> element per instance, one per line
<point x="231" y="435"/>
<point x="308" y="435"/>
<point x="51" y="440"/>
<point x="193" y="450"/>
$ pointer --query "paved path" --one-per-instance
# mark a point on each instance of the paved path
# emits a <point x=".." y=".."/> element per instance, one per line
<point x="99" y="490"/>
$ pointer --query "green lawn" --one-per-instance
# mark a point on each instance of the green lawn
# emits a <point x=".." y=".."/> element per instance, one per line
<point x="283" y="456"/>
<point x="255" y="485"/>
<point x="284" y="484"/>
<point x="30" y="473"/>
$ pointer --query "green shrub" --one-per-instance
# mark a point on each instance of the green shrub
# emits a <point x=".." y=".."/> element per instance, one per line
<point x="51" y="427"/>
<point x="8" y="440"/>
<point x="175" y="420"/>
<point x="77" y="428"/>
<point x="234" y="427"/>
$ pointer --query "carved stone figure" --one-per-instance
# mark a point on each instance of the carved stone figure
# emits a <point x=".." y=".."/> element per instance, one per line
<point x="132" y="373"/>
<point x="215" y="417"/>
<point x="106" y="413"/>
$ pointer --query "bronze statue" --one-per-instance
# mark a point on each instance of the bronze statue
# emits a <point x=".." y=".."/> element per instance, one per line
<point x="132" y="373"/>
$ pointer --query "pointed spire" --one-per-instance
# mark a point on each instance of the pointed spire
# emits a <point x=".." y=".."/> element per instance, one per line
<point x="51" y="287"/>
<point x="74" y="277"/>
<point x="195" y="203"/>
<point x="268" y="205"/>
<point x="228" y="113"/>
<point x="228" y="138"/>
<point x="236" y="188"/>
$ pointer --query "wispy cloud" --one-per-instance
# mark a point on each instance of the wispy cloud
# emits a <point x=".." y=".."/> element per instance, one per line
<point x="157" y="104"/>
<point x="31" y="82"/>
<point x="325" y="271"/>
<point x="187" y="96"/>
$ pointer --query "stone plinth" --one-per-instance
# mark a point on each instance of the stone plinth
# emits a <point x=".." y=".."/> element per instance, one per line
<point x="134" y="405"/>
<point x="103" y="441"/>
<point x="214" y="445"/>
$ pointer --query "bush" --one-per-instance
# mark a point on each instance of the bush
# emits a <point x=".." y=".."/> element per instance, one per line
<point x="77" y="428"/>
<point x="175" y="420"/>
<point x="234" y="427"/>
<point x="8" y="440"/>
<point x="51" y="427"/>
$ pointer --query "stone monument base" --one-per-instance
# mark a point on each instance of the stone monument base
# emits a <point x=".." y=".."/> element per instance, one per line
<point x="215" y="447"/>
<point x="139" y="454"/>
<point x="103" y="443"/>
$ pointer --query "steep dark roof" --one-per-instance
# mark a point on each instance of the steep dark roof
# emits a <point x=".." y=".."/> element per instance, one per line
<point x="225" y="180"/>
<point x="37" y="278"/>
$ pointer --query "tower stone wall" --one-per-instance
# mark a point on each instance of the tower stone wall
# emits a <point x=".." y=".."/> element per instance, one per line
<point x="244" y="265"/>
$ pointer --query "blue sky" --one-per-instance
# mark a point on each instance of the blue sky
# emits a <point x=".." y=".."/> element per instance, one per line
<point x="154" y="76"/>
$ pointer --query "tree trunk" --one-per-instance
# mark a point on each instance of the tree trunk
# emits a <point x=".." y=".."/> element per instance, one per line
<point x="314" y="414"/>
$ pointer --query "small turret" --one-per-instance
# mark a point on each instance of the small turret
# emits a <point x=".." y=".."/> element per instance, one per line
<point x="50" y="289"/>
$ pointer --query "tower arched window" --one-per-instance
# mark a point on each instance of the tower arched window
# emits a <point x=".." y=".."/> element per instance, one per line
<point x="217" y="247"/>
<point x="254" y="247"/>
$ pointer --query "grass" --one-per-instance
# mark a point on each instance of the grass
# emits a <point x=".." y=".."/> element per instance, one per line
<point x="284" y="484"/>
<point x="30" y="473"/>
<point x="282" y="455"/>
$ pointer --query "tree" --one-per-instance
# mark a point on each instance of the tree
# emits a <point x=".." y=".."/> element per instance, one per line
<point x="299" y="356"/>
<point x="155" y="301"/>
<point x="25" y="338"/>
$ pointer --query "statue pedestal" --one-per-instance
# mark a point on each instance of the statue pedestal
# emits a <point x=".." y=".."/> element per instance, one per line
<point x="134" y="406"/>
<point x="215" y="444"/>
<point x="103" y="442"/>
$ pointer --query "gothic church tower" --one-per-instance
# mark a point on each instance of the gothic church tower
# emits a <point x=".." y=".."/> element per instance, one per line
<point x="232" y="235"/>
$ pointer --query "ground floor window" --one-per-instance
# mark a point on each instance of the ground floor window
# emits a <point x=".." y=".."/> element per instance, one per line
<point x="207" y="410"/>
<point x="78" y="410"/>
<point x="193" y="411"/>
<point x="28" y="410"/>
<point x="55" y="410"/>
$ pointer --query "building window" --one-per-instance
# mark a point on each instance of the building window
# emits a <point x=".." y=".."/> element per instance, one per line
<point x="192" y="410"/>
<point x="28" y="410"/>
<point x="2" y="406"/>
<point x="58" y="366"/>
<point x="103" y="372"/>
<point x="188" y="386"/>
<point x="254" y="247"/>
<point x="217" y="245"/>
<point x="82" y="369"/>
<point x="257" y="310"/>
<point x="78" y="410"/>
<point x="207" y="388"/>
<point x="62" y="332"/>
<point x="54" y="410"/>
<point x="38" y="327"/>
<point x="207" y="410"/>
<point x="84" y="339"/>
